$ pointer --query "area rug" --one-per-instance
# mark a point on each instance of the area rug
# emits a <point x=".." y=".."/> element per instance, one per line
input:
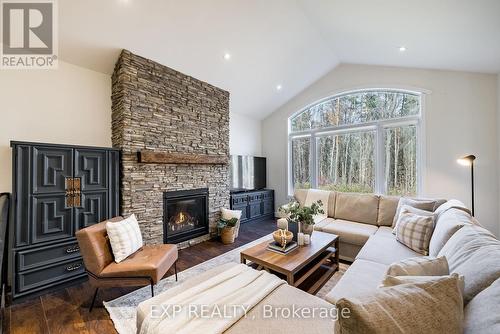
<point x="122" y="310"/>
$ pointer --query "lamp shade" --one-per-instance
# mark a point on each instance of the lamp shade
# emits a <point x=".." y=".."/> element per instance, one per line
<point x="467" y="160"/>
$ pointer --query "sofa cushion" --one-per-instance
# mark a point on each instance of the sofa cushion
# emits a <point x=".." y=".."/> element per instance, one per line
<point x="362" y="277"/>
<point x="480" y="315"/>
<point x="387" y="210"/>
<point x="348" y="231"/>
<point x="362" y="208"/>
<point x="448" y="222"/>
<point x="427" y="205"/>
<point x="420" y="266"/>
<point x="385" y="231"/>
<point x="432" y="307"/>
<point x="300" y="195"/>
<point x="415" y="231"/>
<point x="319" y="226"/>
<point x="386" y="250"/>
<point x="474" y="253"/>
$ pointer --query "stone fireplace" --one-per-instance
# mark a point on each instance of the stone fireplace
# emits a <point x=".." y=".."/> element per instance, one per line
<point x="157" y="111"/>
<point x="185" y="215"/>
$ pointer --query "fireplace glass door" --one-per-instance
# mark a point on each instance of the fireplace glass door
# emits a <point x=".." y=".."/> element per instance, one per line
<point x="185" y="215"/>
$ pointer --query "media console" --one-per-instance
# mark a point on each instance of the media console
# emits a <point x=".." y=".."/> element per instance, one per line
<point x="254" y="204"/>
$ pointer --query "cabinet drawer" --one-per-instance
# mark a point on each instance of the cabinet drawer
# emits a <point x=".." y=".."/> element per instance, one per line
<point x="41" y="278"/>
<point x="41" y="256"/>
<point x="268" y="195"/>
<point x="257" y="197"/>
<point x="239" y="200"/>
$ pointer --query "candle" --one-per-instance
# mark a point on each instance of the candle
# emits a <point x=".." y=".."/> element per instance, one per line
<point x="283" y="223"/>
<point x="300" y="239"/>
<point x="307" y="239"/>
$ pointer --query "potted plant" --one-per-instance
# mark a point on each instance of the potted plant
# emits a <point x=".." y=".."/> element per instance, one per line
<point x="227" y="229"/>
<point x="302" y="216"/>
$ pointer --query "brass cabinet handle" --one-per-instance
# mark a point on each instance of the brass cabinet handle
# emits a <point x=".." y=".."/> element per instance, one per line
<point x="73" y="191"/>
<point x="74" y="267"/>
<point x="72" y="249"/>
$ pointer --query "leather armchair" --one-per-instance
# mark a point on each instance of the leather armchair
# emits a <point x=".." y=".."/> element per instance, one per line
<point x="146" y="266"/>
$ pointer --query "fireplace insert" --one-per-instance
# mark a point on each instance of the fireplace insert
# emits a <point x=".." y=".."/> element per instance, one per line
<point x="185" y="214"/>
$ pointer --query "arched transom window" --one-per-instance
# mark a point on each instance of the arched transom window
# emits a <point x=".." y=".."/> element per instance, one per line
<point x="362" y="141"/>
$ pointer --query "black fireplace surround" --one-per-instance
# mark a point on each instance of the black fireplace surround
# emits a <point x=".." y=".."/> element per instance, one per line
<point x="185" y="215"/>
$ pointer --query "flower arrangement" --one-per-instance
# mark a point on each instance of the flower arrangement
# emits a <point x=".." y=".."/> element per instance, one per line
<point x="302" y="214"/>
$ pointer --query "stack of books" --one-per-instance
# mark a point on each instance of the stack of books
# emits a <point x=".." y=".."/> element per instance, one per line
<point x="275" y="247"/>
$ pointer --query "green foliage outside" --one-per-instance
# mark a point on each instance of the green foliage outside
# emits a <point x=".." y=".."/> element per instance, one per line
<point x="346" y="162"/>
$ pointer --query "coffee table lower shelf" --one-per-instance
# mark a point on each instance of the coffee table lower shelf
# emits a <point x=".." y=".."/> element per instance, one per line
<point x="320" y="270"/>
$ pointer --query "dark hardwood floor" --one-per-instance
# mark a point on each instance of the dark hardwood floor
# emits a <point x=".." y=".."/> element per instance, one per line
<point x="66" y="310"/>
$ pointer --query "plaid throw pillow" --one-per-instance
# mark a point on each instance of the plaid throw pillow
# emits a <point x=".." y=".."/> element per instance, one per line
<point x="125" y="237"/>
<point x="415" y="231"/>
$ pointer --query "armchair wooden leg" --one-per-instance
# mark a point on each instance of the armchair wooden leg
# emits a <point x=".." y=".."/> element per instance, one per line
<point x="93" y="300"/>
<point x="152" y="289"/>
<point x="175" y="269"/>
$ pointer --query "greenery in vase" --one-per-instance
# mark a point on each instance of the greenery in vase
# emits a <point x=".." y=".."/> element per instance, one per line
<point x="227" y="223"/>
<point x="305" y="214"/>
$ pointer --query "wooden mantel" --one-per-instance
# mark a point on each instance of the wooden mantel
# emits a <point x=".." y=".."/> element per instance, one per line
<point x="153" y="157"/>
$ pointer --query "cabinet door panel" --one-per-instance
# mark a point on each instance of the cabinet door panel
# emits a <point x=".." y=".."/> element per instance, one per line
<point x="51" y="167"/>
<point x="51" y="218"/>
<point x="255" y="210"/>
<point x="268" y="207"/>
<point x="244" y="212"/>
<point x="91" y="166"/>
<point x="93" y="210"/>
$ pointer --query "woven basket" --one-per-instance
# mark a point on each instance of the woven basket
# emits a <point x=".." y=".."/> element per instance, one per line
<point x="227" y="235"/>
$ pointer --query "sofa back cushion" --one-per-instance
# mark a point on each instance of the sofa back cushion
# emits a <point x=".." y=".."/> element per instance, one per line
<point x="387" y="210"/>
<point x="481" y="315"/>
<point x="448" y="221"/>
<point x="301" y="195"/>
<point x="473" y="252"/>
<point x="361" y="208"/>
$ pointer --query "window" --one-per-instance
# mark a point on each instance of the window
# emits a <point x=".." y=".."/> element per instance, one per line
<point x="364" y="141"/>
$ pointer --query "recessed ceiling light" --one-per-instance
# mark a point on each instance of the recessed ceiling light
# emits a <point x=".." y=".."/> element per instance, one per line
<point x="227" y="56"/>
<point x="402" y="48"/>
<point x="279" y="87"/>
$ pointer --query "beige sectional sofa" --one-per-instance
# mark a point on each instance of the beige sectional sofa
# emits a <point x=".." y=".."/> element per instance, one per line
<point x="356" y="217"/>
<point x="363" y="222"/>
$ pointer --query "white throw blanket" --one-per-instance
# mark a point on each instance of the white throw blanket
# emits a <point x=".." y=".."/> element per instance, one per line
<point x="234" y="291"/>
<point x="314" y="195"/>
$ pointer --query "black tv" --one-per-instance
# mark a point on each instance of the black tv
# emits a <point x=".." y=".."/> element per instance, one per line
<point x="247" y="173"/>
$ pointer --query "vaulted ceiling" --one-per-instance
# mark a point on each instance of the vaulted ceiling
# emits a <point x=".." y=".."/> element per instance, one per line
<point x="284" y="43"/>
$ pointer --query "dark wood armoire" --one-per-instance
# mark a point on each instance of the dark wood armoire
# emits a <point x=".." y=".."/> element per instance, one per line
<point x="56" y="190"/>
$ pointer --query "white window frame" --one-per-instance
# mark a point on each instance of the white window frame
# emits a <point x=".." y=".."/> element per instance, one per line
<point x="377" y="126"/>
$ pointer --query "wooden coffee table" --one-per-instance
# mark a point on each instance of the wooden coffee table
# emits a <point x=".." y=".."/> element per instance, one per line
<point x="302" y="262"/>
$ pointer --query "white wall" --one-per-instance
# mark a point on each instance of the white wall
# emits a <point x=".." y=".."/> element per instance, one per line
<point x="245" y="135"/>
<point x="460" y="118"/>
<point x="69" y="105"/>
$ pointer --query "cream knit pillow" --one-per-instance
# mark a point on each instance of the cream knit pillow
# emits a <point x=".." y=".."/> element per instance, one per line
<point x="396" y="280"/>
<point x="125" y="237"/>
<point x="419" y="266"/>
<point x="432" y="307"/>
